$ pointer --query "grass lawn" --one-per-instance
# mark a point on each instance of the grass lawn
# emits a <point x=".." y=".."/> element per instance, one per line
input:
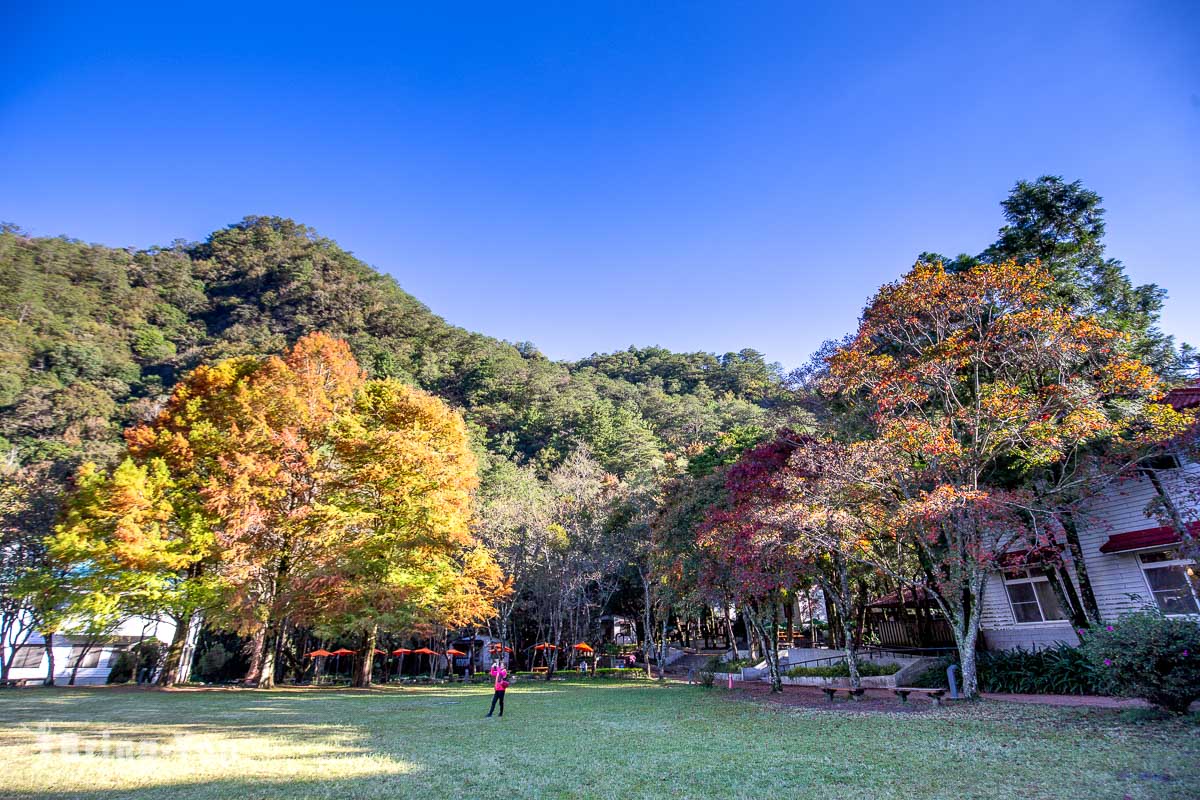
<point x="604" y="740"/>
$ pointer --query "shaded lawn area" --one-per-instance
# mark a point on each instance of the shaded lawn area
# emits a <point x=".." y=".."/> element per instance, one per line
<point x="601" y="740"/>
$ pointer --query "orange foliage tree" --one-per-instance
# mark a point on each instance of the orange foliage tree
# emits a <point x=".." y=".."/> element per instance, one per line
<point x="334" y="500"/>
<point x="986" y="397"/>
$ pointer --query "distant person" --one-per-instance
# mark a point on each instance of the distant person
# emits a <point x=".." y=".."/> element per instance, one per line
<point x="500" y="676"/>
<point x="583" y="670"/>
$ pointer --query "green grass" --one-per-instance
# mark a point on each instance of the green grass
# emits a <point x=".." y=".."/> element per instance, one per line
<point x="601" y="740"/>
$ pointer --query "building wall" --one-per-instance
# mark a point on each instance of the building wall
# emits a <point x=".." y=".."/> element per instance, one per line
<point x="1001" y="631"/>
<point x="1117" y="578"/>
<point x="134" y="628"/>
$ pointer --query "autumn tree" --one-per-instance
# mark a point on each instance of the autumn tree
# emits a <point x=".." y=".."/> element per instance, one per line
<point x="987" y="394"/>
<point x="333" y="500"/>
<point x="400" y="509"/>
<point x="744" y="554"/>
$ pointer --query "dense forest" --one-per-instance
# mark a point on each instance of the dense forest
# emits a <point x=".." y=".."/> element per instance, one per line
<point x="95" y="337"/>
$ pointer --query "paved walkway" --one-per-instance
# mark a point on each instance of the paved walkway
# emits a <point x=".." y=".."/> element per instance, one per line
<point x="1076" y="700"/>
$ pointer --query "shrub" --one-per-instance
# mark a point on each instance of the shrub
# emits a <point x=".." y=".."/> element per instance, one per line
<point x="624" y="674"/>
<point x="706" y="679"/>
<point x="866" y="669"/>
<point x="1150" y="656"/>
<point x="122" y="668"/>
<point x="734" y="665"/>
<point x="1061" y="669"/>
<point x="934" y="677"/>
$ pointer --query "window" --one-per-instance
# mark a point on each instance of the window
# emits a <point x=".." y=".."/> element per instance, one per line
<point x="1167" y="576"/>
<point x="1031" y="596"/>
<point x="28" y="657"/>
<point x="83" y="660"/>
<point x="1160" y="463"/>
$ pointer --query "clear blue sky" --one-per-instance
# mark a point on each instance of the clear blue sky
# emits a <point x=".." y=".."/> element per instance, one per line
<point x="702" y="176"/>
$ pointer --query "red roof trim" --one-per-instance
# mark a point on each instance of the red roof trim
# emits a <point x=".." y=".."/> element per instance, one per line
<point x="1149" y="537"/>
<point x="1184" y="397"/>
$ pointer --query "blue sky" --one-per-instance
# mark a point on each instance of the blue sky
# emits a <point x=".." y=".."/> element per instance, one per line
<point x="701" y="176"/>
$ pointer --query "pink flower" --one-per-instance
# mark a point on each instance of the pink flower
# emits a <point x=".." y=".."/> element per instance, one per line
<point x="1108" y="627"/>
<point x="1107" y="662"/>
<point x="1185" y="653"/>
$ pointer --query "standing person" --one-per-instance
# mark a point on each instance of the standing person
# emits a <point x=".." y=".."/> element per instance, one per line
<point x="500" y="676"/>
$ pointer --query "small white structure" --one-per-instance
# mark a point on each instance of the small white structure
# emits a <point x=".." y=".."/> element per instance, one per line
<point x="30" y="663"/>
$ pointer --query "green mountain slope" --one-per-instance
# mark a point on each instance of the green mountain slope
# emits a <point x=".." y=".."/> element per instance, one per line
<point x="92" y="338"/>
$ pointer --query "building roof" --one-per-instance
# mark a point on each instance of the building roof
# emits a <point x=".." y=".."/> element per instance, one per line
<point x="1146" y="538"/>
<point x="1184" y="397"/>
<point x="913" y="596"/>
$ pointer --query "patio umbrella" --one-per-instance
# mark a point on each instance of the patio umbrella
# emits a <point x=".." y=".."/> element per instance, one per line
<point x="584" y="649"/>
<point x="425" y="651"/>
<point x="402" y="652"/>
<point x="544" y="648"/>
<point x="318" y="653"/>
<point x="337" y="654"/>
<point x="453" y="652"/>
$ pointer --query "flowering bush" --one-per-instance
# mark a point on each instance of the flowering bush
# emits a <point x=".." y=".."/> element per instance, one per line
<point x="1149" y="656"/>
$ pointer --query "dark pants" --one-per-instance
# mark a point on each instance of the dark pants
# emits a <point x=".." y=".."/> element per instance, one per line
<point x="499" y="695"/>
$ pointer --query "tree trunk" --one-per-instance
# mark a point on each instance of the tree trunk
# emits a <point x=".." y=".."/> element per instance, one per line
<point x="648" y="644"/>
<point x="87" y="648"/>
<point x="48" y="643"/>
<point x="729" y="634"/>
<point x="174" y="655"/>
<point x="183" y="672"/>
<point x="770" y="643"/>
<point x="1091" y="609"/>
<point x="257" y="647"/>
<point x="662" y="650"/>
<point x="362" y="678"/>
<point x="266" y="671"/>
<point x="966" y="635"/>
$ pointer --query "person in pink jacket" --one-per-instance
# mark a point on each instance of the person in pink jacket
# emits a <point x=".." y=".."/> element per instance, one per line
<point x="500" y="676"/>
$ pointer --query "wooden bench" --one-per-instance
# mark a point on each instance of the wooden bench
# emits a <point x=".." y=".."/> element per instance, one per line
<point x="540" y="670"/>
<point x="20" y="681"/>
<point x="851" y="693"/>
<point x="933" y="694"/>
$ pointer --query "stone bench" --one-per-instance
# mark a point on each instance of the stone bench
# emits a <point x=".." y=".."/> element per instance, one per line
<point x="851" y="693"/>
<point x="933" y="694"/>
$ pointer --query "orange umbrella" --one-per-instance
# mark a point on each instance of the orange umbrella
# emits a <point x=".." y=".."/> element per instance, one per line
<point x="454" y="652"/>
<point x="584" y="647"/>
<point x="495" y="648"/>
<point x="337" y="654"/>
<point x="319" y="653"/>
<point x="402" y="652"/>
<point x="544" y="647"/>
<point x="425" y="651"/>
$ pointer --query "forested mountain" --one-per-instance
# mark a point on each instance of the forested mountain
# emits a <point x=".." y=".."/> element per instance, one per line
<point x="94" y="337"/>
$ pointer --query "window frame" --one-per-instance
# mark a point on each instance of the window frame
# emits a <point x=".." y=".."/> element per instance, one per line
<point x="18" y="656"/>
<point x="1030" y="577"/>
<point x="1179" y="561"/>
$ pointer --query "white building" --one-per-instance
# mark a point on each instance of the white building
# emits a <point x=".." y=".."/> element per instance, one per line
<point x="31" y="664"/>
<point x="1133" y="562"/>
